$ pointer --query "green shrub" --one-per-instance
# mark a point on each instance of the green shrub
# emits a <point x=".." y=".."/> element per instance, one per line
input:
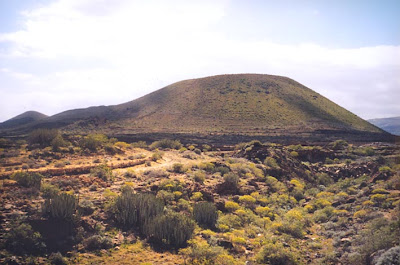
<point x="323" y="215"/>
<point x="385" y="169"/>
<point x="199" y="176"/>
<point x="102" y="172"/>
<point x="173" y="229"/>
<point x="360" y="214"/>
<point x="380" y="191"/>
<point x="229" y="221"/>
<point x="222" y="169"/>
<point x="207" y="166"/>
<point x="276" y="254"/>
<point x="57" y="259"/>
<point x="231" y="182"/>
<point x="202" y="253"/>
<point x="197" y="196"/>
<point x="378" y="234"/>
<point x="178" y="168"/>
<point x="58" y="142"/>
<point x="339" y="144"/>
<point x="263" y="211"/>
<point x="86" y="207"/>
<point x="122" y="145"/>
<point x="110" y="149"/>
<point x="61" y="206"/>
<point x="323" y="179"/>
<point x="390" y="257"/>
<point x="92" y="142"/>
<point x="205" y="213"/>
<point x="97" y="242"/>
<point x="28" y="179"/>
<point x="157" y="155"/>
<point x="43" y="137"/>
<point x="139" y="144"/>
<point x="49" y="191"/>
<point x="231" y="206"/>
<point x="271" y="162"/>
<point x="166" y="196"/>
<point x="247" y="200"/>
<point x="166" y="144"/>
<point x="136" y="209"/>
<point x="22" y="240"/>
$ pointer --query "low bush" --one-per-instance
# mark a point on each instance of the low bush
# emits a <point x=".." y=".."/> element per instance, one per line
<point x="339" y="144"/>
<point x="58" y="142"/>
<point x="199" y="176"/>
<point x="102" y="172"/>
<point x="231" y="206"/>
<point x="42" y="137"/>
<point x="178" y="168"/>
<point x="97" y="242"/>
<point x="57" y="259"/>
<point x="166" y="144"/>
<point x="28" y="179"/>
<point x="139" y="144"/>
<point x="157" y="155"/>
<point x="92" y="142"/>
<point x="276" y="254"/>
<point x="86" y="207"/>
<point x="49" y="191"/>
<point x="271" y="162"/>
<point x="247" y="200"/>
<point x="390" y="257"/>
<point x="22" y="240"/>
<point x="207" y="166"/>
<point x="231" y="182"/>
<point x="200" y="252"/>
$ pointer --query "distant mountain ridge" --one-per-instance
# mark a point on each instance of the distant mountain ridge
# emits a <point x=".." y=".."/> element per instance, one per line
<point x="23" y="119"/>
<point x="239" y="104"/>
<point x="391" y="125"/>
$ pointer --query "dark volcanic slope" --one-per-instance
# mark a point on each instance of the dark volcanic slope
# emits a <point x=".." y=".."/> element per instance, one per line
<point x="23" y="119"/>
<point x="391" y="125"/>
<point x="246" y="104"/>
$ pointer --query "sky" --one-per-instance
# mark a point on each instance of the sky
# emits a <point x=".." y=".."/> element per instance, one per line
<point x="57" y="55"/>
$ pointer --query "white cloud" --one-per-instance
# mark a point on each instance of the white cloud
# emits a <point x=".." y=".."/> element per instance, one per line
<point x="143" y="46"/>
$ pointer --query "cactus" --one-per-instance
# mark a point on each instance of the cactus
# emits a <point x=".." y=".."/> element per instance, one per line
<point x="205" y="213"/>
<point x="136" y="209"/>
<point x="62" y="206"/>
<point x="173" y="229"/>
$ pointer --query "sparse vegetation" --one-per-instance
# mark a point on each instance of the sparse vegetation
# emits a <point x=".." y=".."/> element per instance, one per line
<point x="260" y="203"/>
<point x="166" y="144"/>
<point x="28" y="180"/>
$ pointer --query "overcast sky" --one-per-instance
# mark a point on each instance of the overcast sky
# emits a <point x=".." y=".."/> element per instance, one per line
<point x="57" y="55"/>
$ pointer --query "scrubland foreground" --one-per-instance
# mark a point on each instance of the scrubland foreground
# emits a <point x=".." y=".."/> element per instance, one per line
<point x="93" y="200"/>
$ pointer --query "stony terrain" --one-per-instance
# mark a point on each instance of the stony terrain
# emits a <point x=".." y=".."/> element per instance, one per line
<point x="260" y="203"/>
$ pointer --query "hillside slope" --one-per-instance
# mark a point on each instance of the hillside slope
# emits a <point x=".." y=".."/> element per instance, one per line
<point x="23" y="119"/>
<point x="240" y="104"/>
<point x="391" y="125"/>
<point x="245" y="103"/>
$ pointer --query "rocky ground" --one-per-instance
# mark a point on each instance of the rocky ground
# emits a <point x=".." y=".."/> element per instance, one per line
<point x="332" y="204"/>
